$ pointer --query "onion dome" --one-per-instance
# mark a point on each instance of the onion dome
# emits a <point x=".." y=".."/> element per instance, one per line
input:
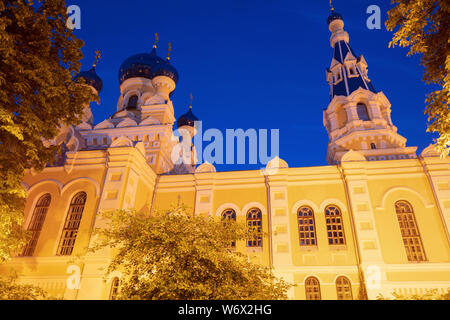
<point x="139" y="65"/>
<point x="187" y="119"/>
<point x="167" y="70"/>
<point x="334" y="16"/>
<point x="91" y="78"/>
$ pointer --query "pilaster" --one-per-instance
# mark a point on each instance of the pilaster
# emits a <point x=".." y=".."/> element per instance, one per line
<point x="365" y="228"/>
<point x="280" y="220"/>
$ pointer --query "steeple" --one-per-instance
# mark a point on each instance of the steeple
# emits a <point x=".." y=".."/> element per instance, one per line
<point x="347" y="72"/>
<point x="185" y="155"/>
<point x="358" y="118"/>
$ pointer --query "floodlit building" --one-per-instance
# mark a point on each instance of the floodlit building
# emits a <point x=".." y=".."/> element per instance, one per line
<point x="377" y="212"/>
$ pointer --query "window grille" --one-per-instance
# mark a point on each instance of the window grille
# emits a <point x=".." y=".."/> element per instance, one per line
<point x="36" y="223"/>
<point x="114" y="289"/>
<point x="335" y="226"/>
<point x="344" y="289"/>
<point x="410" y="232"/>
<point x="306" y="227"/>
<point x="254" y="222"/>
<point x="312" y="289"/>
<point x="71" y="225"/>
<point x="229" y="215"/>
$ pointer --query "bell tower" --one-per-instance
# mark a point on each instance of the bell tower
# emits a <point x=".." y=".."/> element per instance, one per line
<point x="358" y="117"/>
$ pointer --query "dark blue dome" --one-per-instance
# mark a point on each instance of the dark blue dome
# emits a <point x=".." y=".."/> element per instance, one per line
<point x="91" y="78"/>
<point x="165" y="69"/>
<point x="334" y="16"/>
<point x="139" y="65"/>
<point x="187" y="119"/>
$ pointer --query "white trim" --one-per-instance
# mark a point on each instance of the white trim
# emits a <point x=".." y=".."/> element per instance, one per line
<point x="302" y="203"/>
<point x="382" y="205"/>
<point x="112" y="275"/>
<point x="53" y="181"/>
<point x="344" y="275"/>
<point x="228" y="205"/>
<point x="335" y="202"/>
<point x="311" y="275"/>
<point x="251" y="205"/>
<point x="74" y="181"/>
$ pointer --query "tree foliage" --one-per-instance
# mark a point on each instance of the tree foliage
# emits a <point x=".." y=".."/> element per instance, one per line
<point x="424" y="27"/>
<point x="10" y="289"/>
<point x="429" y="295"/>
<point x="39" y="56"/>
<point x="173" y="255"/>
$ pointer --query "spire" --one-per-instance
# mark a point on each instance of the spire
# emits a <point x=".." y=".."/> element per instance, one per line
<point x="347" y="72"/>
<point x="192" y="99"/>
<point x="358" y="119"/>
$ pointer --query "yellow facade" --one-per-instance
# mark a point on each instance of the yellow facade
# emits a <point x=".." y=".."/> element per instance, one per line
<point x="123" y="162"/>
<point x="364" y="191"/>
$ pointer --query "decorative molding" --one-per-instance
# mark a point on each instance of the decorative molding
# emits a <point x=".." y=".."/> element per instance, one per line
<point x="52" y="181"/>
<point x="74" y="181"/>
<point x="228" y="205"/>
<point x="353" y="156"/>
<point x="302" y="203"/>
<point x="206" y="168"/>
<point x="332" y="201"/>
<point x="382" y="205"/>
<point x="127" y="122"/>
<point x="251" y="205"/>
<point x="430" y="151"/>
<point x="149" y="121"/>
<point x="104" y="125"/>
<point x="123" y="141"/>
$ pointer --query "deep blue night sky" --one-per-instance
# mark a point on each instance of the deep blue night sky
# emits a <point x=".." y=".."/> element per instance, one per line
<point x="254" y="64"/>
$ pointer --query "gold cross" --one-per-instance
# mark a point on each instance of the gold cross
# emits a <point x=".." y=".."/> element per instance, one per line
<point x="170" y="50"/>
<point x="156" y="40"/>
<point x="98" y="56"/>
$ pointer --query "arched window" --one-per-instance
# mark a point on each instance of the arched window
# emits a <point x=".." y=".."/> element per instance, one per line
<point x="72" y="223"/>
<point x="114" y="289"/>
<point x="35" y="226"/>
<point x="344" y="289"/>
<point x="363" y="113"/>
<point x="254" y="223"/>
<point x="312" y="289"/>
<point x="132" y="102"/>
<point x="410" y="232"/>
<point x="342" y="118"/>
<point x="335" y="226"/>
<point x="229" y="215"/>
<point x="373" y="146"/>
<point x="306" y="227"/>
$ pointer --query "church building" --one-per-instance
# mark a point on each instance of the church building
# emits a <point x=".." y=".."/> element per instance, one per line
<point x="378" y="214"/>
